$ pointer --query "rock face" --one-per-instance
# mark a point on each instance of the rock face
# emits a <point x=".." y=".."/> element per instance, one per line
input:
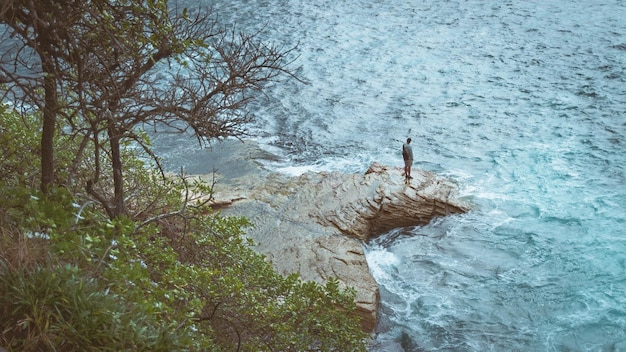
<point x="315" y="224"/>
<point x="372" y="204"/>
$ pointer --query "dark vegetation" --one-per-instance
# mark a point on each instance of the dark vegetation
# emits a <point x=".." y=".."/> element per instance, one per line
<point x="99" y="249"/>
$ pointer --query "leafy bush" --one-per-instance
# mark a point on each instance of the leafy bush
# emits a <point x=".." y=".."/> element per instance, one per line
<point x="19" y="148"/>
<point x="56" y="308"/>
<point x="211" y="283"/>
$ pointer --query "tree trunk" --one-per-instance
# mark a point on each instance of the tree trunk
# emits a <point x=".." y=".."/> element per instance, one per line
<point x="116" y="162"/>
<point x="49" y="119"/>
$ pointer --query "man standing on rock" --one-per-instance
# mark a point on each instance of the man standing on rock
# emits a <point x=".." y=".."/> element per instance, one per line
<point x="407" y="155"/>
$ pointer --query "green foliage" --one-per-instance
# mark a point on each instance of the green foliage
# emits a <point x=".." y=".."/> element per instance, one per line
<point x="59" y="309"/>
<point x="19" y="149"/>
<point x="252" y="307"/>
<point x="223" y="292"/>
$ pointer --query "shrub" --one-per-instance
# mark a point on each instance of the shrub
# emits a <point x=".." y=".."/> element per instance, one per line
<point x="56" y="308"/>
<point x="19" y="149"/>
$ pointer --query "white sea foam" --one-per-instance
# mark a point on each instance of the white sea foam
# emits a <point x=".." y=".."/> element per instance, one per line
<point x="380" y="260"/>
<point x="297" y="170"/>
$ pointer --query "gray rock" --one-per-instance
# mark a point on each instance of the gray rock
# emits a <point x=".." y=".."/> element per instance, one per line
<point x="315" y="224"/>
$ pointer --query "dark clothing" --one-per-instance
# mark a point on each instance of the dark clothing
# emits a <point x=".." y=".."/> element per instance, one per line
<point x="407" y="152"/>
<point x="407" y="155"/>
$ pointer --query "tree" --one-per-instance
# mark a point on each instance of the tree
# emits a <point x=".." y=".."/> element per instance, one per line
<point x="36" y="33"/>
<point x="122" y="64"/>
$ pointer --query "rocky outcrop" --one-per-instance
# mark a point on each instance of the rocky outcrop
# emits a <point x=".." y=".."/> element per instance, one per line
<point x="365" y="206"/>
<point x="315" y="224"/>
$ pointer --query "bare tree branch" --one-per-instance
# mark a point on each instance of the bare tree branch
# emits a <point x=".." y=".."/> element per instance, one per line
<point x="112" y="67"/>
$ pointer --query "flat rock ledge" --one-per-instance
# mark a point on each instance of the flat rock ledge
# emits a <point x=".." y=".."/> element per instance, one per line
<point x="316" y="224"/>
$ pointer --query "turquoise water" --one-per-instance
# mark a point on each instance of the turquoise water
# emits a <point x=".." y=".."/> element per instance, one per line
<point x="523" y="104"/>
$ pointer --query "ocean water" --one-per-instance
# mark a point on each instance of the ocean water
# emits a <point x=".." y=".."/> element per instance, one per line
<point x="522" y="104"/>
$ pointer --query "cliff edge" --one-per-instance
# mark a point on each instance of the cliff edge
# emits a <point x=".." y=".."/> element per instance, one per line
<point x="315" y="224"/>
